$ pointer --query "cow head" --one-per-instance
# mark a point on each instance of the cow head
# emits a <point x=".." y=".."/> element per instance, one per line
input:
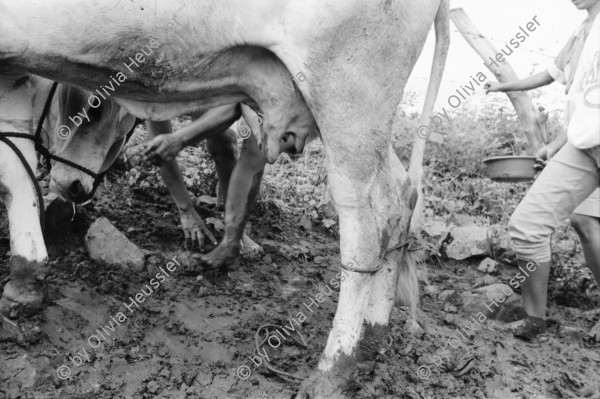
<point x="90" y="133"/>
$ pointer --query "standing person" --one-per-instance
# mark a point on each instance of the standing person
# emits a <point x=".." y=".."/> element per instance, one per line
<point x="564" y="186"/>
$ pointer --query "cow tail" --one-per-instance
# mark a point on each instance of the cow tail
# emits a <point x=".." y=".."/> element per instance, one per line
<point x="407" y="291"/>
<point x="415" y="169"/>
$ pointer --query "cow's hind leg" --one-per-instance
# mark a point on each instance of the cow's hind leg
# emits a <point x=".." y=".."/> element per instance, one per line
<point x="372" y="196"/>
<point x="25" y="292"/>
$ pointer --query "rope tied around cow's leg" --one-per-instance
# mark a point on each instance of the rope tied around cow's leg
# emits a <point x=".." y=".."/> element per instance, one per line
<point x="351" y="266"/>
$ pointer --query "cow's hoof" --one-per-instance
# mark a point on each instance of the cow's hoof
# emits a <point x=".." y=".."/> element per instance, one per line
<point x="222" y="258"/>
<point x="21" y="302"/>
<point x="249" y="247"/>
<point x="323" y="386"/>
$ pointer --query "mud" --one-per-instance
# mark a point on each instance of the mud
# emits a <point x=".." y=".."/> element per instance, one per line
<point x="193" y="337"/>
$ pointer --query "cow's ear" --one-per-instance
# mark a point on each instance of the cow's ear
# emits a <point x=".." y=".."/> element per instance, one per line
<point x="71" y="100"/>
<point x="126" y="121"/>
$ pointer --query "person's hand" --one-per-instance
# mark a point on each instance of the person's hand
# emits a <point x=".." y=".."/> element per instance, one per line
<point x="544" y="154"/>
<point x="163" y="148"/>
<point x="194" y="230"/>
<point x="491" y="87"/>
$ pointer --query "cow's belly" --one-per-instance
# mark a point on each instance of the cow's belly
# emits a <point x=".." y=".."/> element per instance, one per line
<point x="190" y="54"/>
<point x="160" y="88"/>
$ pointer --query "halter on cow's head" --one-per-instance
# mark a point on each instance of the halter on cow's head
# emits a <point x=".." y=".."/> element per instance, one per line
<point x="91" y="134"/>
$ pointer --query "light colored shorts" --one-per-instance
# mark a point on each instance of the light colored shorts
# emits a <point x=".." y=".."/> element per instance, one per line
<point x="591" y="205"/>
<point x="564" y="184"/>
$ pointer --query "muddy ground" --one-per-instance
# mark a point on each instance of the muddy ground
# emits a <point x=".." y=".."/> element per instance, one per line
<point x="193" y="336"/>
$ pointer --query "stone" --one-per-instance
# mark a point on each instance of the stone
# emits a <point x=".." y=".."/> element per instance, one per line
<point x="435" y="228"/>
<point x="106" y="244"/>
<point x="432" y="290"/>
<point x="595" y="332"/>
<point x="466" y="242"/>
<point x="501" y="247"/>
<point x="488" y="265"/>
<point x="445" y="294"/>
<point x="459" y="220"/>
<point x="496" y="301"/>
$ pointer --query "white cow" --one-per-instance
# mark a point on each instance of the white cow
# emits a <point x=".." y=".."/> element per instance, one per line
<point x="349" y="59"/>
<point x="22" y="100"/>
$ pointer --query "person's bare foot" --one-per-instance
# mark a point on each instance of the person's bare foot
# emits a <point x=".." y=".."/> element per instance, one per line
<point x="222" y="258"/>
<point x="248" y="246"/>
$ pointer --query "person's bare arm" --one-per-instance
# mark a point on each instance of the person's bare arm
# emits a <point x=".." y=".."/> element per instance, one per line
<point x="545" y="153"/>
<point x="529" y="83"/>
<point x="194" y="228"/>
<point x="165" y="147"/>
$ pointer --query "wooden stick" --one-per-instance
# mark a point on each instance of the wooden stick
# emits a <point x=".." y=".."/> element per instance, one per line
<point x="532" y="119"/>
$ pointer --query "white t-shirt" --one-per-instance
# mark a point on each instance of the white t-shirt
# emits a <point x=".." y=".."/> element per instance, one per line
<point x="584" y="94"/>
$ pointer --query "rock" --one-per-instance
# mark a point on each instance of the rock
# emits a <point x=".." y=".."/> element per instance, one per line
<point x="422" y="275"/>
<point x="459" y="220"/>
<point x="466" y="242"/>
<point x="595" y="333"/>
<point x="501" y="246"/>
<point x="574" y="333"/>
<point x="450" y="308"/>
<point x="435" y="228"/>
<point x="488" y="266"/>
<point x="485" y="280"/>
<point x="445" y="294"/>
<point x="496" y="301"/>
<point x="432" y="290"/>
<point x="153" y="387"/>
<point x="205" y="199"/>
<point x="106" y="244"/>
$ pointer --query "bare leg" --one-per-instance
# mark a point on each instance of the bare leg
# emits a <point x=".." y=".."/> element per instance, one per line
<point x="588" y="228"/>
<point x="243" y="190"/>
<point x="194" y="228"/>
<point x="223" y="150"/>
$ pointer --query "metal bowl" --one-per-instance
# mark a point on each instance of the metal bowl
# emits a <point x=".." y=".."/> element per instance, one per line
<point x="513" y="168"/>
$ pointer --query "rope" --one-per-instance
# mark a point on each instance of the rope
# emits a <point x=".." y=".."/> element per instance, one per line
<point x="39" y="147"/>
<point x="410" y="247"/>
<point x="294" y="379"/>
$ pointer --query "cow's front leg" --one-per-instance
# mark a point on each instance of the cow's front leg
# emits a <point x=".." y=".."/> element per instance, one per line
<point x="243" y="190"/>
<point x="24" y="294"/>
<point x="366" y="191"/>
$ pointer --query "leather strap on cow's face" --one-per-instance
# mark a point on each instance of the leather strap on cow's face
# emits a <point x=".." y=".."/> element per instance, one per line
<point x="39" y="147"/>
